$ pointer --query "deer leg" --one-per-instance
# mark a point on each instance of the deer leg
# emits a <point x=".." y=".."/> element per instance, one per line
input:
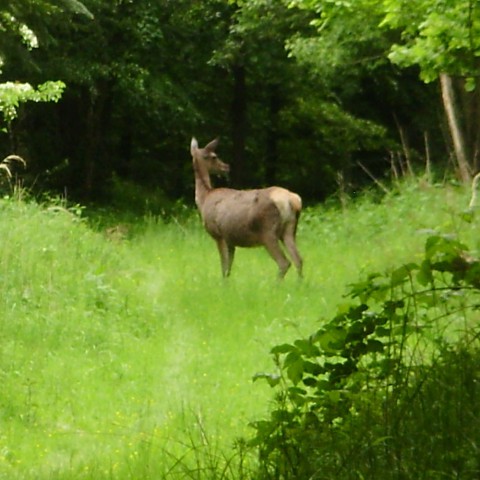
<point x="227" y="253"/>
<point x="291" y="246"/>
<point x="231" y="255"/>
<point x="273" y="247"/>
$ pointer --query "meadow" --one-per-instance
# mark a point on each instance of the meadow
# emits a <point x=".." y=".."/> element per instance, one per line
<point x="129" y="357"/>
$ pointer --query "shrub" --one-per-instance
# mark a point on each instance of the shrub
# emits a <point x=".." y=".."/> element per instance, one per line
<point x="389" y="387"/>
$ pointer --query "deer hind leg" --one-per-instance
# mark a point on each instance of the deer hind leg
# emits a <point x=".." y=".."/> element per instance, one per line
<point x="227" y="253"/>
<point x="291" y="246"/>
<point x="275" y="250"/>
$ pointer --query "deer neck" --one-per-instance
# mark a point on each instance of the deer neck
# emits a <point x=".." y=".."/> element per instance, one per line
<point x="203" y="185"/>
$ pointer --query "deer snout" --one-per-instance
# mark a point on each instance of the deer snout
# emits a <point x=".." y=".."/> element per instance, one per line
<point x="223" y="167"/>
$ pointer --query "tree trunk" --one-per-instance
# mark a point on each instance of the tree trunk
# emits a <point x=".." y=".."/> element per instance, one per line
<point x="271" y="158"/>
<point x="239" y="124"/>
<point x="97" y="163"/>
<point x="91" y="139"/>
<point x="458" y="138"/>
<point x="471" y="110"/>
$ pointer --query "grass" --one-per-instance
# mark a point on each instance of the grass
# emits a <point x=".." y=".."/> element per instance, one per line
<point x="127" y="359"/>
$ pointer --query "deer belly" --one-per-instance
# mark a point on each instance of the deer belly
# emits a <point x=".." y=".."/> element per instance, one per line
<point x="235" y="233"/>
<point x="243" y="241"/>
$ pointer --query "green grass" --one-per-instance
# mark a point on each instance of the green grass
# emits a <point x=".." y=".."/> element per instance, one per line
<point x="134" y="359"/>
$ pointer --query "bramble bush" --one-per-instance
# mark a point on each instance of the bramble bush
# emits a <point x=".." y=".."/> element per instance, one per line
<point x="389" y="387"/>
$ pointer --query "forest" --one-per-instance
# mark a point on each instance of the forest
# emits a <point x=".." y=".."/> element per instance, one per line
<point x="124" y="354"/>
<point x="319" y="96"/>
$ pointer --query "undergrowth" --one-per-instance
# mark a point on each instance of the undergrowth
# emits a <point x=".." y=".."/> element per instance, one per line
<point x="388" y="388"/>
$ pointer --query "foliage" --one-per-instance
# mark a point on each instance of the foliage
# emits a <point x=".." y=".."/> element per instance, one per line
<point x="24" y="24"/>
<point x="27" y="36"/>
<point x="299" y="90"/>
<point x="439" y="36"/>
<point x="345" y="393"/>
<point x="13" y="94"/>
<point x="143" y="77"/>
<point x="347" y="56"/>
<point x="348" y="39"/>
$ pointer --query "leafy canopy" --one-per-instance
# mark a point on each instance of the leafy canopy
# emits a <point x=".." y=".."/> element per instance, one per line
<point x="440" y="36"/>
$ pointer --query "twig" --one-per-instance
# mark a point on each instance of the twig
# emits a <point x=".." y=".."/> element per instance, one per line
<point x="393" y="167"/>
<point x="405" y="147"/>
<point x="428" y="167"/>
<point x="473" y="198"/>
<point x="377" y="182"/>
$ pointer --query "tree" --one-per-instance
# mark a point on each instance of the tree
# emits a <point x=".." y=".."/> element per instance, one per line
<point x="17" y="36"/>
<point x="262" y="80"/>
<point x="299" y="92"/>
<point x="133" y="100"/>
<point x="24" y="23"/>
<point x="442" y="37"/>
<point x="296" y="130"/>
<point x="347" y="57"/>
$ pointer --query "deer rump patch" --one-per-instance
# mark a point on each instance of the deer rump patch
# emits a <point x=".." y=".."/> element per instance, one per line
<point x="289" y="204"/>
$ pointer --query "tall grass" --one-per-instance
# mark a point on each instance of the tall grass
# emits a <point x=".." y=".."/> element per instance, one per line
<point x="133" y="359"/>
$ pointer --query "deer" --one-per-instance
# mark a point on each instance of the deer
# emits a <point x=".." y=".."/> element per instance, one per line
<point x="265" y="217"/>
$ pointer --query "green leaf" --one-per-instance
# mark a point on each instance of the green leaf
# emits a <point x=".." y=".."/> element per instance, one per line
<point x="400" y="275"/>
<point x="470" y="84"/>
<point x="282" y="349"/>
<point x="425" y="275"/>
<point x="356" y="313"/>
<point x="313" y="368"/>
<point x="334" y="396"/>
<point x="355" y="331"/>
<point x="427" y="299"/>
<point x="383" y="332"/>
<point x="272" y="379"/>
<point x="438" y="247"/>
<point x="292" y="357"/>
<point x="375" y="346"/>
<point x="332" y="340"/>
<point x="307" y="348"/>
<point x="297" y="395"/>
<point x="295" y="371"/>
<point x="310" y="382"/>
<point x="294" y="366"/>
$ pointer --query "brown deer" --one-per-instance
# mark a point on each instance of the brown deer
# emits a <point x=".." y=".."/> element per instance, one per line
<point x="245" y="218"/>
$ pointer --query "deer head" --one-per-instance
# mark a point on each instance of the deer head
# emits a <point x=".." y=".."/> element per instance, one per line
<point x="205" y="159"/>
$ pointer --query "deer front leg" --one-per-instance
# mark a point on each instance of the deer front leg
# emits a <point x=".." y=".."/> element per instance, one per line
<point x="227" y="253"/>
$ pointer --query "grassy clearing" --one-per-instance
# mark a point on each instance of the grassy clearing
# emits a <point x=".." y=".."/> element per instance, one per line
<point x="133" y="359"/>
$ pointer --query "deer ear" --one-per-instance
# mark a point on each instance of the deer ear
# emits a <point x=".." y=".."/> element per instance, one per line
<point x="212" y="145"/>
<point x="193" y="145"/>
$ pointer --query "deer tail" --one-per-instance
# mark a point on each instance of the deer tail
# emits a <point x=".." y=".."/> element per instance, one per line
<point x="295" y="203"/>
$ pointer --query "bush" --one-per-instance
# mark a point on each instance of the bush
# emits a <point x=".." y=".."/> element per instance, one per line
<point x="389" y="387"/>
